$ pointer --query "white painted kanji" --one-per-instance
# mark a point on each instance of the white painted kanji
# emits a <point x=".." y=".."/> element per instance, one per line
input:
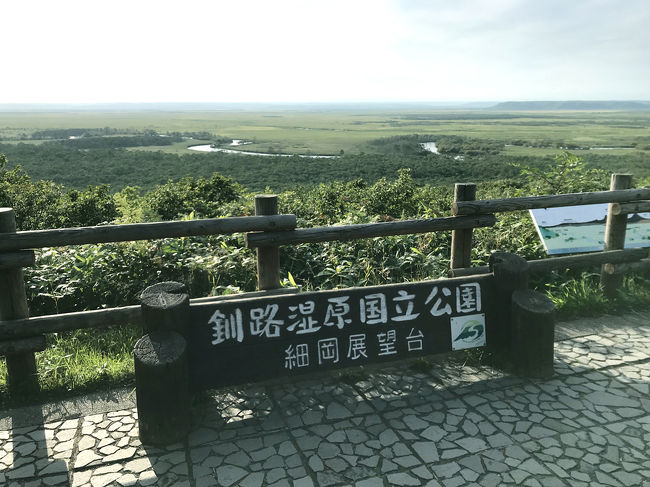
<point x="373" y="309"/>
<point x="226" y="327"/>
<point x="337" y="312"/>
<point x="263" y="322"/>
<point x="298" y="357"/>
<point x="468" y="298"/>
<point x="357" y="347"/>
<point x="302" y="318"/>
<point x="387" y="343"/>
<point x="404" y="307"/>
<point x="440" y="307"/>
<point x="328" y="350"/>
<point x="414" y="340"/>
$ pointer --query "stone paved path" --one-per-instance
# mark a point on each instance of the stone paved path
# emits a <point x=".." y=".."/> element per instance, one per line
<point x="448" y="426"/>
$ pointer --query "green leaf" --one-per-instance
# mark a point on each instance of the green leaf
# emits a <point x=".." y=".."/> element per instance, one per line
<point x="292" y="280"/>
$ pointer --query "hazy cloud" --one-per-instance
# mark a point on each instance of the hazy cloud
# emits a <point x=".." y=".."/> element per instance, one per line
<point x="292" y="50"/>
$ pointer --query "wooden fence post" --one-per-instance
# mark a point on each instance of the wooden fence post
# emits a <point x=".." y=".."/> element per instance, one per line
<point x="510" y="275"/>
<point x="161" y="365"/>
<point x="165" y="306"/>
<point x="22" y="376"/>
<point x="533" y="334"/>
<point x="614" y="236"/>
<point x="162" y="387"/>
<point x="268" y="258"/>
<point x="461" y="240"/>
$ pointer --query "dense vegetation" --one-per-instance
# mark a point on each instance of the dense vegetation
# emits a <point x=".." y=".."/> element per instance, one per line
<point x="115" y="142"/>
<point x="62" y="183"/>
<point x="482" y="160"/>
<point x="80" y="168"/>
<point x="95" y="276"/>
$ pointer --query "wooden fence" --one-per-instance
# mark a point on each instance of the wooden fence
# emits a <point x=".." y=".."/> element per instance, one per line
<point x="21" y="336"/>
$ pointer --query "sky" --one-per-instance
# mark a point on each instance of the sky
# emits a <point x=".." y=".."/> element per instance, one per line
<point x="142" y="51"/>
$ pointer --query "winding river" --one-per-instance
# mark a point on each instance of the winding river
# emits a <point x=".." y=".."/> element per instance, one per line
<point x="209" y="148"/>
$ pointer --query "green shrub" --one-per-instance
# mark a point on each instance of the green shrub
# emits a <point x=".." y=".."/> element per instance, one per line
<point x="90" y="207"/>
<point x="43" y="204"/>
<point x="202" y="196"/>
<point x="567" y="174"/>
<point x="392" y="198"/>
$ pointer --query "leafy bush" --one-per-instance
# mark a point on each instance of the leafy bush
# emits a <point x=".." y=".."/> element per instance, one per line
<point x="202" y="196"/>
<point x="90" y="207"/>
<point x="36" y="205"/>
<point x="567" y="174"/>
<point x="108" y="275"/>
<point x="392" y="198"/>
<point x="43" y="204"/>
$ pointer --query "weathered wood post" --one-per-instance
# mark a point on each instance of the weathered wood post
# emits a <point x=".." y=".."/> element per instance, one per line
<point x="161" y="365"/>
<point x="461" y="240"/>
<point x="510" y="274"/>
<point x="533" y="334"/>
<point x="268" y="258"/>
<point x="21" y="367"/>
<point x="165" y="306"/>
<point x="614" y="235"/>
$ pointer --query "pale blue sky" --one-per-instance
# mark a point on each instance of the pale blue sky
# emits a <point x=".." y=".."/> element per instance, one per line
<point x="72" y="51"/>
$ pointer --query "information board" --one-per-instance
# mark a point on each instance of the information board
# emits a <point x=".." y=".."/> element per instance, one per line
<point x="575" y="229"/>
<point x="244" y="340"/>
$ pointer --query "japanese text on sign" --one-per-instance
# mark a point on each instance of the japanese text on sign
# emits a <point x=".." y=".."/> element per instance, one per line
<point x="337" y="313"/>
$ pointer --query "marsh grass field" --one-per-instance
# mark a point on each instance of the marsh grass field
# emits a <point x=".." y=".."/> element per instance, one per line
<point x="328" y="130"/>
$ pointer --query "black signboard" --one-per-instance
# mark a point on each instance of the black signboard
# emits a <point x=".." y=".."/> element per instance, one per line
<point x="244" y="340"/>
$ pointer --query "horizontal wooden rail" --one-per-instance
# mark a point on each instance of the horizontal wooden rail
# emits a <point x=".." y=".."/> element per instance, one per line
<point x="541" y="266"/>
<point x="34" y="239"/>
<point x="366" y="230"/>
<point x="625" y="208"/>
<point x="479" y="207"/>
<point x="99" y="318"/>
<point x="20" y="258"/>
<point x="586" y="260"/>
<point x="30" y="327"/>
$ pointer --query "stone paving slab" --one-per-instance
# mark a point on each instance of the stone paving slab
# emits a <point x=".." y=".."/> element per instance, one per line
<point x="449" y="425"/>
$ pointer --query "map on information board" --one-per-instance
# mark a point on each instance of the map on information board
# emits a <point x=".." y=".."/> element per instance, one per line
<point x="575" y="229"/>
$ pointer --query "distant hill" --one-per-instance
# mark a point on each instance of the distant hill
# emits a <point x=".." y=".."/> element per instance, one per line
<point x="572" y="105"/>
